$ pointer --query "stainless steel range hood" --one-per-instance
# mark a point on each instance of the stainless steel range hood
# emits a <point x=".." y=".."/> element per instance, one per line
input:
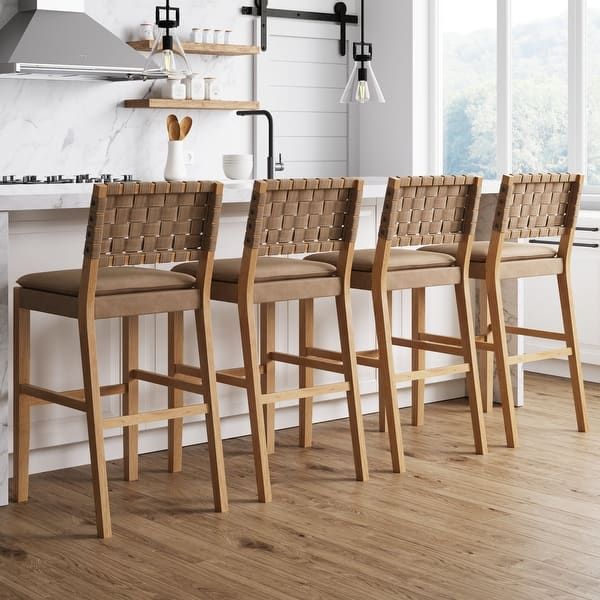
<point x="55" y="38"/>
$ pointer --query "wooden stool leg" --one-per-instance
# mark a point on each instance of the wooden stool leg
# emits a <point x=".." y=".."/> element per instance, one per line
<point x="130" y="335"/>
<point x="387" y="381"/>
<point x="568" y="316"/>
<point x="467" y="334"/>
<point x="213" y="424"/>
<point x="381" y="382"/>
<point x="267" y="345"/>
<point x="175" y="350"/>
<point x="494" y="293"/>
<point x="22" y="405"/>
<point x="91" y="384"/>
<point x="353" y="394"/>
<point x="486" y="358"/>
<point x="253" y="387"/>
<point x="306" y="379"/>
<point x="418" y="357"/>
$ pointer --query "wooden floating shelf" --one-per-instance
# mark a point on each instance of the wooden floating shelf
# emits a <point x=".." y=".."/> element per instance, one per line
<point x="198" y="104"/>
<point x="207" y="49"/>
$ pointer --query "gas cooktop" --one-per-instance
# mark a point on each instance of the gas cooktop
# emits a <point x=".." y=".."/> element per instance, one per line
<point x="55" y="179"/>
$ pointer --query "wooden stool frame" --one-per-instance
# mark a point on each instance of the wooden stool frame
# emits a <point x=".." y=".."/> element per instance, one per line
<point x="129" y="224"/>
<point x="417" y="211"/>
<point x="289" y="217"/>
<point x="529" y="205"/>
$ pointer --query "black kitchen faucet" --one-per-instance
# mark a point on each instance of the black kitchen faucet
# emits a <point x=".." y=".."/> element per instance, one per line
<point x="266" y="113"/>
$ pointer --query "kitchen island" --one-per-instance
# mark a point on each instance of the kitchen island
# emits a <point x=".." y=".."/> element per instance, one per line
<point x="42" y="228"/>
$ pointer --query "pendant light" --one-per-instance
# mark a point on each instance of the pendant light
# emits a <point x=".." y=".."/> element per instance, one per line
<point x="167" y="58"/>
<point x="362" y="86"/>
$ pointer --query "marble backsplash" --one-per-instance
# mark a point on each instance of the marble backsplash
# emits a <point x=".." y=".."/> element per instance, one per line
<point x="70" y="127"/>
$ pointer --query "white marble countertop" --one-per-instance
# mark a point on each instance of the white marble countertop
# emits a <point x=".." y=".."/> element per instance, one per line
<point x="14" y="198"/>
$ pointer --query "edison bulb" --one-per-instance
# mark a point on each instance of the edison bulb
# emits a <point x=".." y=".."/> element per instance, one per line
<point x="168" y="61"/>
<point x="362" y="92"/>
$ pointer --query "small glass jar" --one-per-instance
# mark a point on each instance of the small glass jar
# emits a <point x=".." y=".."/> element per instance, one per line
<point x="174" y="89"/>
<point x="147" y="31"/>
<point x="227" y="36"/>
<point x="194" y="87"/>
<point x="206" y="37"/>
<point x="217" y="36"/>
<point x="209" y="85"/>
<point x="197" y="35"/>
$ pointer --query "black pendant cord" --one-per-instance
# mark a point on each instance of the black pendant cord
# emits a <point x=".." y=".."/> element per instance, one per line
<point x="168" y="29"/>
<point x="362" y="21"/>
<point x="362" y="31"/>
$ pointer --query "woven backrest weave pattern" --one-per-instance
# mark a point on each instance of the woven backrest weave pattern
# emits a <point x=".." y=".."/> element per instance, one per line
<point x="153" y="222"/>
<point x="429" y="210"/>
<point x="537" y="204"/>
<point x="296" y="216"/>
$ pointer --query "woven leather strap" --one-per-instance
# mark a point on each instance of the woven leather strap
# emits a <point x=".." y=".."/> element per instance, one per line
<point x="149" y="223"/>
<point x="295" y="216"/>
<point x="537" y="204"/>
<point x="430" y="210"/>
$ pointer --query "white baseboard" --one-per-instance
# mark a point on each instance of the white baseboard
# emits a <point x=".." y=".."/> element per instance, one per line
<point x="560" y="368"/>
<point x="154" y="440"/>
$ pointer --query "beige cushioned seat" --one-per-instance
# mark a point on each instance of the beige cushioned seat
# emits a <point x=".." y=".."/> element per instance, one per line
<point x="400" y="260"/>
<point x="268" y="268"/>
<point x="116" y="280"/>
<point x="510" y="251"/>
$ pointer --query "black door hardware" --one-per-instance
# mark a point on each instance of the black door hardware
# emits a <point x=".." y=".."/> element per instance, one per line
<point x="340" y="15"/>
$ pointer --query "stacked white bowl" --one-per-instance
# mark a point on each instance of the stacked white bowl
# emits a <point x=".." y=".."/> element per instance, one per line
<point x="238" y="166"/>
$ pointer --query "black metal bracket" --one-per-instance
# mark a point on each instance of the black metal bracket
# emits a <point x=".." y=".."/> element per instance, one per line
<point x="340" y="15"/>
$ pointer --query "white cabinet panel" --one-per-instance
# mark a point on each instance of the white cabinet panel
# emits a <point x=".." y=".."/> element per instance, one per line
<point x="542" y="307"/>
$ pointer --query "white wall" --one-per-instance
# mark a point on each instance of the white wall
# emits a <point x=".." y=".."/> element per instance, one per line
<point x="73" y="127"/>
<point x="392" y="137"/>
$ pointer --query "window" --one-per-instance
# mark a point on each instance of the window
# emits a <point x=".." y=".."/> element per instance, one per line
<point x="540" y="56"/>
<point x="469" y="86"/>
<point x="519" y="86"/>
<point x="593" y="92"/>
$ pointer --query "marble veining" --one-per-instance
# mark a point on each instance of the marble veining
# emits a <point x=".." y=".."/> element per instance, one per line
<point x="71" y="127"/>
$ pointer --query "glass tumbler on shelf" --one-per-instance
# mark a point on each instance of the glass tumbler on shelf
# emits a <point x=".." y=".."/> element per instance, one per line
<point x="209" y="87"/>
<point x="197" y="35"/>
<point x="147" y="31"/>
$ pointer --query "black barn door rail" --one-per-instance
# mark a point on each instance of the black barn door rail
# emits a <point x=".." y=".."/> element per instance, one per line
<point x="340" y="15"/>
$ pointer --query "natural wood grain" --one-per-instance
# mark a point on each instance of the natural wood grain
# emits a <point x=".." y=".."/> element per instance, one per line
<point x="199" y="104"/>
<point x="130" y="358"/>
<point x="267" y="379"/>
<point x="206" y="49"/>
<point x="418" y="355"/>
<point x="513" y="525"/>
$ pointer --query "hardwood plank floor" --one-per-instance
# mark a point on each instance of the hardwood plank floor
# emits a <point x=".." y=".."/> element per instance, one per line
<point x="517" y="524"/>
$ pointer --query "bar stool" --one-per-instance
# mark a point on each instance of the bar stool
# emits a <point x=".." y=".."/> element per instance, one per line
<point x="129" y="224"/>
<point x="420" y="210"/>
<point x="290" y="217"/>
<point x="529" y="206"/>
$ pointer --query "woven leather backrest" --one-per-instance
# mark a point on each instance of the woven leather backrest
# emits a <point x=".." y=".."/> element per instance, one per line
<point x="295" y="216"/>
<point x="537" y="204"/>
<point x="430" y="210"/>
<point x="149" y="223"/>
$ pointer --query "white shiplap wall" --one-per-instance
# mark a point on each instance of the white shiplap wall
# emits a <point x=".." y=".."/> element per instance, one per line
<point x="300" y="79"/>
